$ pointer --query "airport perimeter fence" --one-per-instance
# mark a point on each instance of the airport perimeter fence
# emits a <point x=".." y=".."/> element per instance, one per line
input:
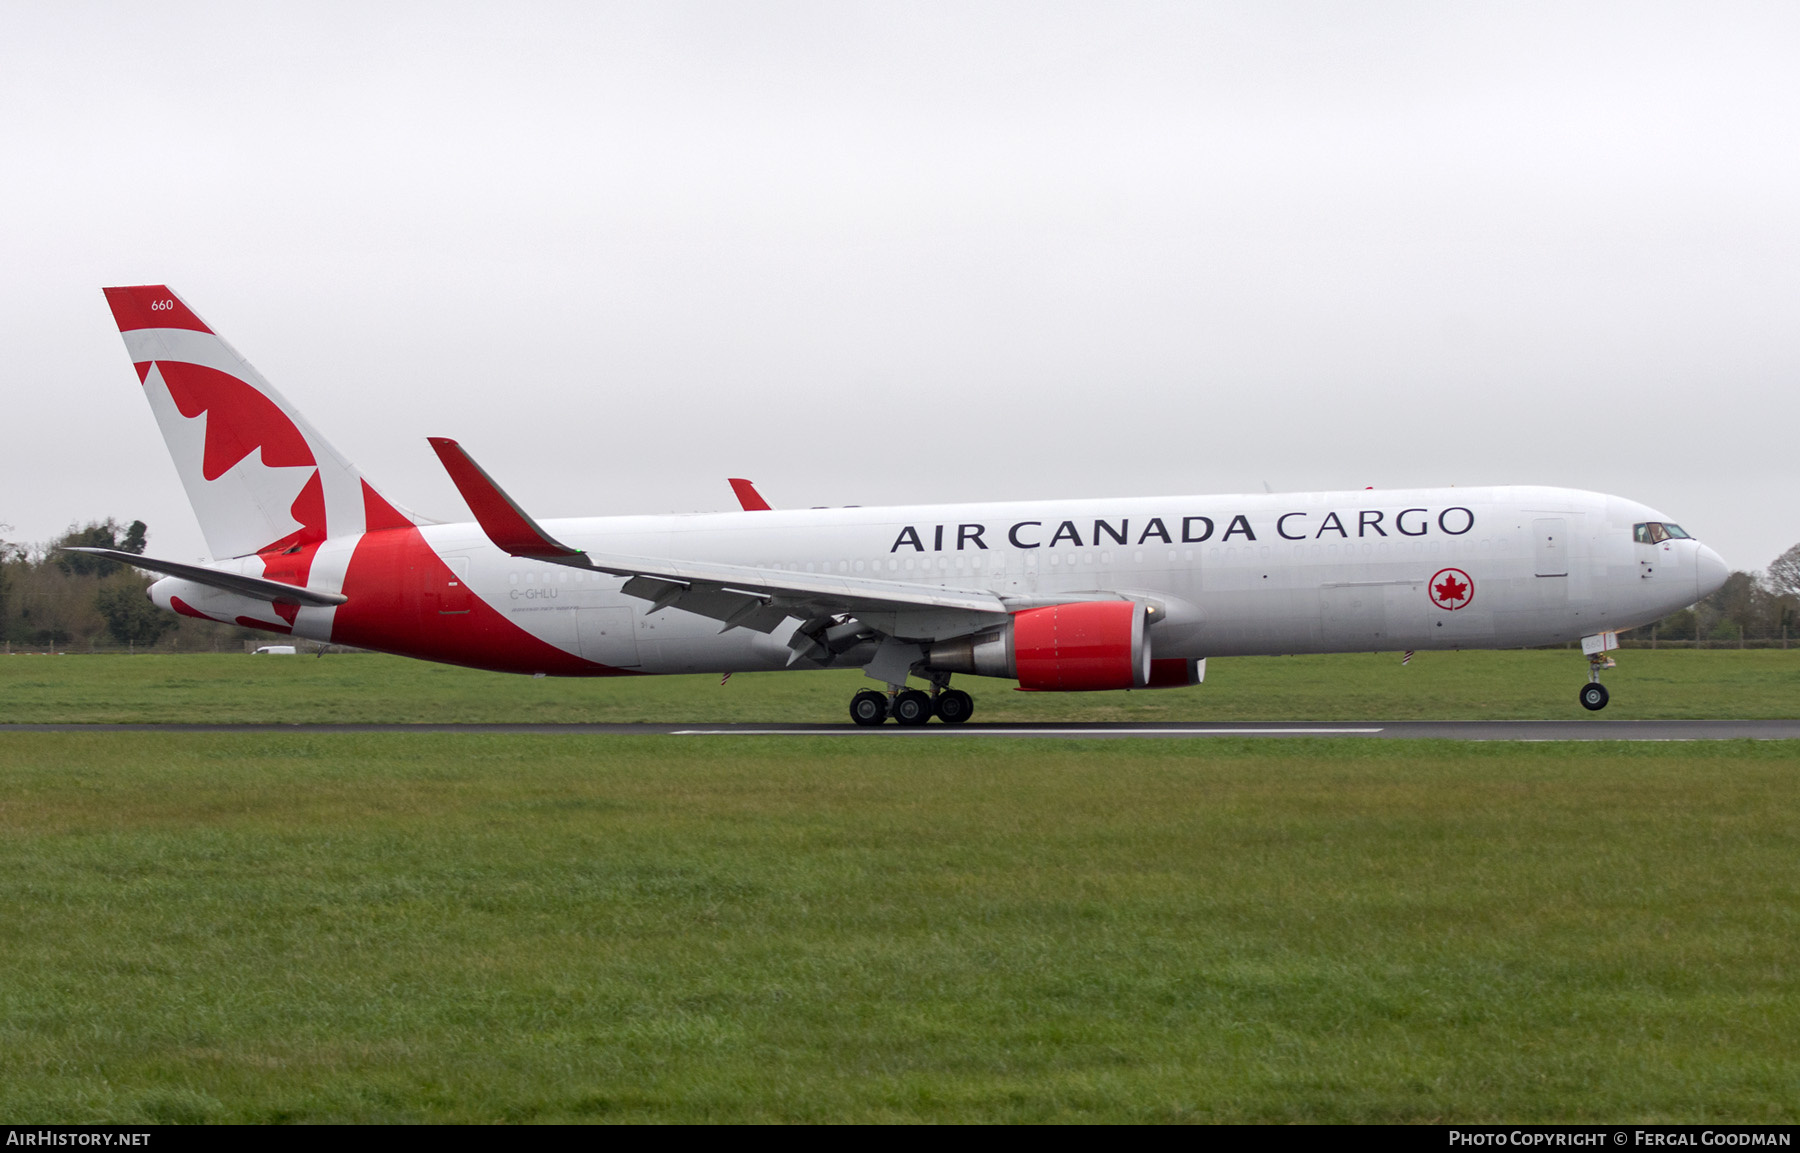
<point x="1636" y="642"/>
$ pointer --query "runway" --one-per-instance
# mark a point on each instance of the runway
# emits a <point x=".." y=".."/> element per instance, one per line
<point x="1563" y="730"/>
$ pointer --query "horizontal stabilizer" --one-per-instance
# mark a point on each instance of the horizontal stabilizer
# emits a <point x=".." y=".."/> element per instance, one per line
<point x="253" y="587"/>
<point x="506" y="524"/>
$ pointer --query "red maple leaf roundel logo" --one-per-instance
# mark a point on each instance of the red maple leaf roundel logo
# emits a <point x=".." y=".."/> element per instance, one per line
<point x="1451" y="589"/>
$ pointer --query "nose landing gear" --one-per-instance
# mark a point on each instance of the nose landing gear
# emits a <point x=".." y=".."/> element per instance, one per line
<point x="1593" y="695"/>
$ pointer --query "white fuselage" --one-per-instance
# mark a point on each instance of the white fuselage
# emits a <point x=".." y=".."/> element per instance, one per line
<point x="1231" y="575"/>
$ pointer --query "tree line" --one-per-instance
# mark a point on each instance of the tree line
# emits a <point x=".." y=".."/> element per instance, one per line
<point x="70" y="600"/>
<point x="1750" y="606"/>
<point x="61" y="600"/>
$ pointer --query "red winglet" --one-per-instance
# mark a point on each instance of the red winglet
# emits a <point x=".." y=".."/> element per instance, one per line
<point x="506" y="524"/>
<point x="151" y="306"/>
<point x="748" y="496"/>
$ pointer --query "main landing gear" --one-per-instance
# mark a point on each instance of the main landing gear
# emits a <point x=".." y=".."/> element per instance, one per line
<point x="911" y="706"/>
<point x="869" y="707"/>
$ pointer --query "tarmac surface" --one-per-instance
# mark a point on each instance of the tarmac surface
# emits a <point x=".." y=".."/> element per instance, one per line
<point x="1563" y="730"/>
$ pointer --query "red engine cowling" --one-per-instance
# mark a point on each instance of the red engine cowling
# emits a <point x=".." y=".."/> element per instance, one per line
<point x="1084" y="646"/>
<point x="1080" y="647"/>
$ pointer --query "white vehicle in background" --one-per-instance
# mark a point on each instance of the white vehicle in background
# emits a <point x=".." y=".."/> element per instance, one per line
<point x="276" y="650"/>
<point x="1059" y="595"/>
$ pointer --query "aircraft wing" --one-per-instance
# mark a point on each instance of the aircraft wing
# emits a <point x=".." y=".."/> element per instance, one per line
<point x="739" y="595"/>
<point x="753" y="597"/>
<point x="255" y="587"/>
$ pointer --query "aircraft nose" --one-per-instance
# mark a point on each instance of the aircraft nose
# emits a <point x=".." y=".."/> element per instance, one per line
<point x="1710" y="572"/>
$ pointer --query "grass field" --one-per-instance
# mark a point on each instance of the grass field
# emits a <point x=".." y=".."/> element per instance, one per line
<point x="460" y="927"/>
<point x="371" y="688"/>
<point x="470" y="928"/>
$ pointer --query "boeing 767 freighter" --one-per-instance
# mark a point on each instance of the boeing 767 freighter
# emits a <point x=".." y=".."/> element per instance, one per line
<point x="1059" y="595"/>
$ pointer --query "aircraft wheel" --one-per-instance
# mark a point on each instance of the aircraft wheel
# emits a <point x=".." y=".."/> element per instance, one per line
<point x="869" y="707"/>
<point x="912" y="707"/>
<point x="1594" y="697"/>
<point x="954" y="706"/>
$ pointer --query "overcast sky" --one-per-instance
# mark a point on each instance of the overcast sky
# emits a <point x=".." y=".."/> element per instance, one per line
<point x="881" y="253"/>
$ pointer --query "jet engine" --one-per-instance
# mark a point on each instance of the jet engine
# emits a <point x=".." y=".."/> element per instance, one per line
<point x="1079" y="647"/>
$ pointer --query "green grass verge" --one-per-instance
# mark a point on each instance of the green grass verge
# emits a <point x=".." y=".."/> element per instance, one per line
<point x="371" y="688"/>
<point x="472" y="928"/>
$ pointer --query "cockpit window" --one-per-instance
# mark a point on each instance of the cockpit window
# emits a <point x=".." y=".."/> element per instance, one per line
<point x="1655" y="532"/>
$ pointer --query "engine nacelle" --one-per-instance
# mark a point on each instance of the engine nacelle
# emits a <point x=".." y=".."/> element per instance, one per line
<point x="1079" y="647"/>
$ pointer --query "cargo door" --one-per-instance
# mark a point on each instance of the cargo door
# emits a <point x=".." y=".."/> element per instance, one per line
<point x="609" y="635"/>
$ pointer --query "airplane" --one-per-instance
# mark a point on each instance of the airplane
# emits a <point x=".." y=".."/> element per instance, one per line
<point x="1057" y="595"/>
